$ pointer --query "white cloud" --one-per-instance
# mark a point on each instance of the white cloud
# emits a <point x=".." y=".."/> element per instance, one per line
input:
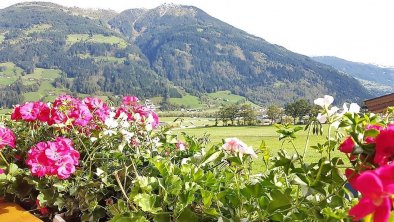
<point x="358" y="30"/>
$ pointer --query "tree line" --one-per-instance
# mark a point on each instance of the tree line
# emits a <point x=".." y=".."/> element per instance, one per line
<point x="244" y="114"/>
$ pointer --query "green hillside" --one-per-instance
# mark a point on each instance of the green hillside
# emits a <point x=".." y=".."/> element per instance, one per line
<point x="174" y="53"/>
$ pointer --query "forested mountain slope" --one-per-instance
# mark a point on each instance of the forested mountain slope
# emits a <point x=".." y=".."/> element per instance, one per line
<point x="151" y="53"/>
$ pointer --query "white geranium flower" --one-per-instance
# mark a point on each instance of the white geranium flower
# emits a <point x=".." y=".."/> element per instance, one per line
<point x="127" y="135"/>
<point x="157" y="142"/>
<point x="111" y="123"/>
<point x="137" y="117"/>
<point x="322" y="118"/>
<point x="333" y="110"/>
<point x="93" y="139"/>
<point x="148" y="127"/>
<point x="109" y="132"/>
<point x="335" y="124"/>
<point x="248" y="150"/>
<point x="112" y="114"/>
<point x="185" y="160"/>
<point x="125" y="124"/>
<point x="354" y="108"/>
<point x="325" y="101"/>
<point x="123" y="116"/>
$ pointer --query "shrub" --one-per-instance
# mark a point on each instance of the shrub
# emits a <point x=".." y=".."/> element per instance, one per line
<point x="95" y="163"/>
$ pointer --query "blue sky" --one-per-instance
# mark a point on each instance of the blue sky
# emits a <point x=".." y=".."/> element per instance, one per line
<point x="356" y="30"/>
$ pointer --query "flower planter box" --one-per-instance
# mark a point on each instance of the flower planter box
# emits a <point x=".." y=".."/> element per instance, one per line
<point x="11" y="212"/>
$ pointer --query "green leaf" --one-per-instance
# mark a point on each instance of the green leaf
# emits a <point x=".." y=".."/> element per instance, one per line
<point x="210" y="157"/>
<point x="206" y="198"/>
<point x="162" y="218"/>
<point x="173" y="184"/>
<point x="279" y="200"/>
<point x="371" y="133"/>
<point x="187" y="216"/>
<point x="129" y="218"/>
<point x="147" y="202"/>
<point x="211" y="211"/>
<point x="13" y="169"/>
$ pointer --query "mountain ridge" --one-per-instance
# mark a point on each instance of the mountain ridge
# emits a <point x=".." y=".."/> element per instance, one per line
<point x="379" y="80"/>
<point x="154" y="52"/>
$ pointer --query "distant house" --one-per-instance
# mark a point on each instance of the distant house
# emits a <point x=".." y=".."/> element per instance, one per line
<point x="379" y="104"/>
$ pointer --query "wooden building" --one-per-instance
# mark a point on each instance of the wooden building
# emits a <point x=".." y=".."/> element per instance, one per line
<point x="379" y="104"/>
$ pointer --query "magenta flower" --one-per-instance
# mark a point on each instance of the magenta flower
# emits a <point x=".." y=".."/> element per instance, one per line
<point x="130" y="100"/>
<point x="1" y="171"/>
<point x="376" y="188"/>
<point x="81" y="115"/>
<point x="347" y="145"/>
<point x="384" y="148"/>
<point x="98" y="108"/>
<point x="29" y="112"/>
<point x="44" y="111"/>
<point x="66" y="107"/>
<point x="138" y="113"/>
<point x="53" y="158"/>
<point x="16" y="113"/>
<point x="7" y="138"/>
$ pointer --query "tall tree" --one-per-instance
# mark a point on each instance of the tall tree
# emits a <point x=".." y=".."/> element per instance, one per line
<point x="298" y="109"/>
<point x="247" y="113"/>
<point x="274" y="112"/>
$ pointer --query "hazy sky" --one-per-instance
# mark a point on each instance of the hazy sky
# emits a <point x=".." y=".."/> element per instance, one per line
<point x="356" y="30"/>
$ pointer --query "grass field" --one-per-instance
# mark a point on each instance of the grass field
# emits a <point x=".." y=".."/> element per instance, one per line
<point x="103" y="58"/>
<point x="38" y="28"/>
<point x="208" y="103"/>
<point x="9" y="73"/>
<point x="251" y="135"/>
<point x="188" y="100"/>
<point x="113" y="40"/>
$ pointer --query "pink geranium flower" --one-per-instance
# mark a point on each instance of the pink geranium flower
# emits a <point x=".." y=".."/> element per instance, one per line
<point x="7" y="138"/>
<point x="347" y="145"/>
<point x="138" y="113"/>
<point x="53" y="158"/>
<point x="234" y="145"/>
<point x="29" y="112"/>
<point x="98" y="108"/>
<point x="181" y="146"/>
<point x="375" y="197"/>
<point x="384" y="148"/>
<point x="44" y="111"/>
<point x="130" y="100"/>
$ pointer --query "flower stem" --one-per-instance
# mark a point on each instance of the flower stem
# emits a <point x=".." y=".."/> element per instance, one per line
<point x="123" y="191"/>
<point x="4" y="159"/>
<point x="329" y="142"/>
<point x="306" y="143"/>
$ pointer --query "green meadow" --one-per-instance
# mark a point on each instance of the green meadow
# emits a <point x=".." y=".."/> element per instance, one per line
<point x="113" y="40"/>
<point x="251" y="135"/>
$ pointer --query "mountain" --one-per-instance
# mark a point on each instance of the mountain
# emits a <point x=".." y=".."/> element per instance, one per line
<point x="379" y="80"/>
<point x="168" y="52"/>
